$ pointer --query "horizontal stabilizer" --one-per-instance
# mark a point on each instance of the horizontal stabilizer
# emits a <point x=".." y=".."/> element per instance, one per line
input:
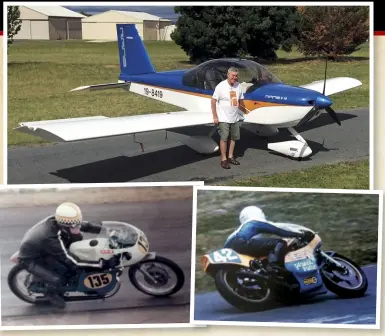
<point x="74" y="129"/>
<point x="106" y="86"/>
<point x="333" y="85"/>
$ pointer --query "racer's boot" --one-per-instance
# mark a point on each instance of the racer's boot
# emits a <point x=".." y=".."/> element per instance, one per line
<point x="52" y="281"/>
<point x="275" y="268"/>
<point x="276" y="260"/>
<point x="55" y="298"/>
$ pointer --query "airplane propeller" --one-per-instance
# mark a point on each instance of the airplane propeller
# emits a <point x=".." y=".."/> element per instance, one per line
<point x="333" y="115"/>
<point x="328" y="109"/>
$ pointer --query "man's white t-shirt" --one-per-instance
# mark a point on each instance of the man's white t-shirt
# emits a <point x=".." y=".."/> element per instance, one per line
<point x="227" y="98"/>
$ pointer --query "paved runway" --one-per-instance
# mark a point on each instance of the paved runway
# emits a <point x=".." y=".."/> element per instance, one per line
<point x="325" y="309"/>
<point x="121" y="160"/>
<point x="168" y="227"/>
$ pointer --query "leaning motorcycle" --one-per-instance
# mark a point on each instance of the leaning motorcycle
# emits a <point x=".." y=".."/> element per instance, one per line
<point x="308" y="272"/>
<point x="119" y="246"/>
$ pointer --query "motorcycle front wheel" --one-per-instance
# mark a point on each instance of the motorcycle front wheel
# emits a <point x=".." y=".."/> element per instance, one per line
<point x="241" y="294"/>
<point x="19" y="287"/>
<point x="351" y="283"/>
<point x="156" y="275"/>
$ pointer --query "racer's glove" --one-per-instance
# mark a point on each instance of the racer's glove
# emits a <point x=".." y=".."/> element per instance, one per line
<point x="91" y="227"/>
<point x="307" y="235"/>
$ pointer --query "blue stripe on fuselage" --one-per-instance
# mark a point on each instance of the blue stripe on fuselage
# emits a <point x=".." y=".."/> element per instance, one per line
<point x="273" y="93"/>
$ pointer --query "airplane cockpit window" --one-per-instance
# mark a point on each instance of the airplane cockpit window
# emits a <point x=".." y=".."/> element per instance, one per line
<point x="209" y="74"/>
<point x="252" y="76"/>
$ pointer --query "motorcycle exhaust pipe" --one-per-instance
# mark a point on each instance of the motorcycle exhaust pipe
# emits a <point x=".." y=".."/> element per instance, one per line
<point x="256" y="276"/>
<point x="252" y="275"/>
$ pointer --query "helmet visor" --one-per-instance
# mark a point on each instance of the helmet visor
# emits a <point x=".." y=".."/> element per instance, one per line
<point x="70" y="225"/>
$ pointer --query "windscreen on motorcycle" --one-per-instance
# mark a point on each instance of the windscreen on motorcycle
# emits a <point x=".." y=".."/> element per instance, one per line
<point x="120" y="234"/>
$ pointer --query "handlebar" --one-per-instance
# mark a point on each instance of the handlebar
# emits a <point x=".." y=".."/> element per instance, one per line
<point x="299" y="242"/>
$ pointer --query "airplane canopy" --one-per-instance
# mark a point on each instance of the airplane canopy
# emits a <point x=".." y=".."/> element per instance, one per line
<point x="207" y="75"/>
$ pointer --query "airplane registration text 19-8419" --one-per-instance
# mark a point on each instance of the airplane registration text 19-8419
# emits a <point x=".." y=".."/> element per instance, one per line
<point x="153" y="92"/>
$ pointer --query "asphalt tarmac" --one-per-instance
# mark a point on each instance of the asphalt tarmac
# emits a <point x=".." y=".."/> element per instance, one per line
<point x="120" y="159"/>
<point x="168" y="227"/>
<point x="325" y="309"/>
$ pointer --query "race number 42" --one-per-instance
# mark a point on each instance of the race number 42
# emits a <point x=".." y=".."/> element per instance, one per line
<point x="225" y="255"/>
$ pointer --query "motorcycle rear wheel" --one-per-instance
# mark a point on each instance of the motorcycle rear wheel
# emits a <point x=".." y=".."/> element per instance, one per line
<point x="344" y="292"/>
<point x="16" y="290"/>
<point x="180" y="278"/>
<point x="224" y="281"/>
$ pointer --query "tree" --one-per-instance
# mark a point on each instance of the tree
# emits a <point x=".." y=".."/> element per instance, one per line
<point x="231" y="31"/>
<point x="332" y="30"/>
<point x="14" y="22"/>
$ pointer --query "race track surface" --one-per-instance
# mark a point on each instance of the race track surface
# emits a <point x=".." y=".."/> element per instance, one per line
<point x="327" y="308"/>
<point x="168" y="227"/>
<point x="119" y="159"/>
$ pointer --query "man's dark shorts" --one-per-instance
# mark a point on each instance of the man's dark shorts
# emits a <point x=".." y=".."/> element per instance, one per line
<point x="232" y="130"/>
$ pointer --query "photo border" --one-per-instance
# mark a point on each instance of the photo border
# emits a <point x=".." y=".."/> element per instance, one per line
<point x="375" y="326"/>
<point x="42" y="187"/>
<point x="199" y="3"/>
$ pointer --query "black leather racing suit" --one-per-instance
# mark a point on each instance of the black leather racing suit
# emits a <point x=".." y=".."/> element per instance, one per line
<point x="44" y="250"/>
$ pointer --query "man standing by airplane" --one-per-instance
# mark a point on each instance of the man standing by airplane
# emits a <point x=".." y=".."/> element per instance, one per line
<point x="225" y="109"/>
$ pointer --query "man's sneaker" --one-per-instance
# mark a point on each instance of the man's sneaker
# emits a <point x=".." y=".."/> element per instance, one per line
<point x="56" y="300"/>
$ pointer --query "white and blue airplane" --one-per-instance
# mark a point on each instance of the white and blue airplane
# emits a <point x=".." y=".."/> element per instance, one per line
<point x="268" y="104"/>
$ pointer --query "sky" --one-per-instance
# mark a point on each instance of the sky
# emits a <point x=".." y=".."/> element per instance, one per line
<point x="165" y="12"/>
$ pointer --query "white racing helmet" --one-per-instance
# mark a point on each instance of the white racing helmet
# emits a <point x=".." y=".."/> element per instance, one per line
<point x="68" y="215"/>
<point x="251" y="213"/>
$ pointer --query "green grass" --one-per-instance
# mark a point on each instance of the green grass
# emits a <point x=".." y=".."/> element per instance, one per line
<point x="344" y="175"/>
<point x="41" y="73"/>
<point x="347" y="223"/>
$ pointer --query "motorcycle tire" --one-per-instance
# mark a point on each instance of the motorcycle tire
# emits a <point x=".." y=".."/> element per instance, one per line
<point x="238" y="301"/>
<point x="15" y="289"/>
<point x="346" y="292"/>
<point x="161" y="260"/>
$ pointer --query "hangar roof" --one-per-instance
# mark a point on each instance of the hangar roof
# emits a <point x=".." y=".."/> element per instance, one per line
<point x="55" y="11"/>
<point x="140" y="16"/>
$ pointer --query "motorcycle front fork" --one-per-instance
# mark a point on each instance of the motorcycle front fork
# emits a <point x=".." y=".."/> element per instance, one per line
<point x="143" y="270"/>
<point x="324" y="258"/>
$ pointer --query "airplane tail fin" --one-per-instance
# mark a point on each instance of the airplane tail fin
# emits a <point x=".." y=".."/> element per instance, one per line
<point x="134" y="59"/>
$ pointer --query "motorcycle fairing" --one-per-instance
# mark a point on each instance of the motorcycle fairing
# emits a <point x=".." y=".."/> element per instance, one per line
<point x="225" y="256"/>
<point x="303" y="265"/>
<point x="100" y="282"/>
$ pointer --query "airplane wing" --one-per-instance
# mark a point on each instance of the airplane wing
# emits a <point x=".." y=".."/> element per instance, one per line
<point x="73" y="129"/>
<point x="333" y="85"/>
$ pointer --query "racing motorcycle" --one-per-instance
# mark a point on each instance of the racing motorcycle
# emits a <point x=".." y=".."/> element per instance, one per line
<point x="119" y="246"/>
<point x="308" y="271"/>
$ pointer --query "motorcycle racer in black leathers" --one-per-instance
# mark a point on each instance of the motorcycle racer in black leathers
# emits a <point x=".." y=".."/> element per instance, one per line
<point x="47" y="244"/>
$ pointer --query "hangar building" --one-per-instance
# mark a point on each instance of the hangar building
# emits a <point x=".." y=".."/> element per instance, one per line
<point x="102" y="26"/>
<point x="49" y="23"/>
